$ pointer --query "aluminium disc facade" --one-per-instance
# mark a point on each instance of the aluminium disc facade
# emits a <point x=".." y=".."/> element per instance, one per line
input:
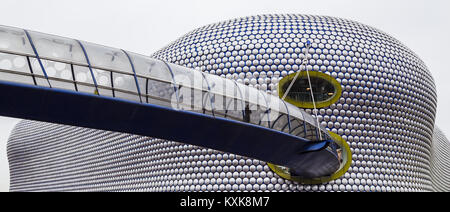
<point x="386" y="113"/>
<point x="440" y="166"/>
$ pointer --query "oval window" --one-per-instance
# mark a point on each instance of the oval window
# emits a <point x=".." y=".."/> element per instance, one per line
<point x="344" y="155"/>
<point x="326" y="89"/>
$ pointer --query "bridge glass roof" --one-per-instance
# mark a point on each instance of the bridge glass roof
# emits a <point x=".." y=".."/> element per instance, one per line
<point x="51" y="61"/>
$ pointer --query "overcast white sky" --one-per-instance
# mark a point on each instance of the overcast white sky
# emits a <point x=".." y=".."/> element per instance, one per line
<point x="145" y="26"/>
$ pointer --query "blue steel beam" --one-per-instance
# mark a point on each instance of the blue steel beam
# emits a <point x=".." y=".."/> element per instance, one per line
<point x="98" y="112"/>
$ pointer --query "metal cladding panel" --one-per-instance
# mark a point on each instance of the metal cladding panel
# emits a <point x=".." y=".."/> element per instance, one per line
<point x="386" y="113"/>
<point x="440" y="162"/>
<point x="387" y="108"/>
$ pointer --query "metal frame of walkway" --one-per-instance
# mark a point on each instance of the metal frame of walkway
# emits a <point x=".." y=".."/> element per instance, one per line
<point x="60" y="80"/>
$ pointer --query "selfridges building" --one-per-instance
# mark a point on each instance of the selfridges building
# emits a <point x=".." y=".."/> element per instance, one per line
<point x="385" y="111"/>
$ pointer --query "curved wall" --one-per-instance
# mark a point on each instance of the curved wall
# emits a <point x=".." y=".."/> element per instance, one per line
<point x="386" y="114"/>
<point x="440" y="162"/>
<point x="387" y="108"/>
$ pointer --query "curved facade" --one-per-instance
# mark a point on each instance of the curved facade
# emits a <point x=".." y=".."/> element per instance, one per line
<point x="440" y="166"/>
<point x="386" y="114"/>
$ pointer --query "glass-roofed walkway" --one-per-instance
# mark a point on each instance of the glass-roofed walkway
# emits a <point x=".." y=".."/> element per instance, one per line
<point x="35" y="60"/>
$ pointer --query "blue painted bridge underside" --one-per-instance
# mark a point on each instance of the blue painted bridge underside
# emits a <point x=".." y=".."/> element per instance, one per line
<point x="112" y="114"/>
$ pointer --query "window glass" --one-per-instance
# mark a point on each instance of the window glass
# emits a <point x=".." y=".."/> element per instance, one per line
<point x="301" y="91"/>
<point x="294" y="112"/>
<point x="107" y="58"/>
<point x="14" y="40"/>
<point x="325" y="89"/>
<point x="55" y="47"/>
<point x="10" y="77"/>
<point x="83" y="79"/>
<point x="125" y="87"/>
<point x="161" y="93"/>
<point x="14" y="63"/>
